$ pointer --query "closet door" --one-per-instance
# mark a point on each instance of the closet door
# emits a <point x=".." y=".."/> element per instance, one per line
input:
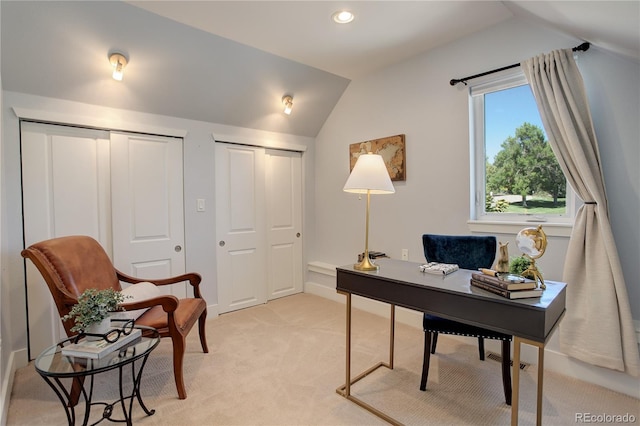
<point x="147" y="198"/>
<point x="240" y="226"/>
<point x="259" y="225"/>
<point x="66" y="191"/>
<point x="284" y="216"/>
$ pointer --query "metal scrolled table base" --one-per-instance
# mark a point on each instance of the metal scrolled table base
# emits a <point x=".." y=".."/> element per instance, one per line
<point x="65" y="398"/>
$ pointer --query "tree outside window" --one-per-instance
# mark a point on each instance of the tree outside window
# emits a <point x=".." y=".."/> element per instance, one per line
<point x="517" y="175"/>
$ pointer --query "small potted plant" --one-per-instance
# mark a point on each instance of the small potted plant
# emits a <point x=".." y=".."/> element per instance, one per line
<point x="519" y="265"/>
<point x="91" y="313"/>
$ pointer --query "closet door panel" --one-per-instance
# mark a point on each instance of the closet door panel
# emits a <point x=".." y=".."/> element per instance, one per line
<point x="240" y="226"/>
<point x="65" y="175"/>
<point x="148" y="215"/>
<point x="284" y="217"/>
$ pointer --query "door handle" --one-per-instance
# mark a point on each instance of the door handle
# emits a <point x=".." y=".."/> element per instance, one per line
<point x="221" y="243"/>
<point x="298" y="235"/>
<point x="178" y="249"/>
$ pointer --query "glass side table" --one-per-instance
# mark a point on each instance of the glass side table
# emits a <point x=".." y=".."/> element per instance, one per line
<point x="53" y="366"/>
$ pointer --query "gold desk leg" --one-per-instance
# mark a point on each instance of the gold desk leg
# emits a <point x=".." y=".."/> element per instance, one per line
<point x="392" y="331"/>
<point x="345" y="390"/>
<point x="540" y="386"/>
<point x="516" y="379"/>
<point x="515" y="393"/>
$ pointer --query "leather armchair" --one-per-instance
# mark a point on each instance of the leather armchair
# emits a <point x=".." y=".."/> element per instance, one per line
<point x="72" y="264"/>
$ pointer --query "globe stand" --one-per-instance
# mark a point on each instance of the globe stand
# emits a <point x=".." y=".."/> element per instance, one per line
<point x="532" y="242"/>
<point x="532" y="271"/>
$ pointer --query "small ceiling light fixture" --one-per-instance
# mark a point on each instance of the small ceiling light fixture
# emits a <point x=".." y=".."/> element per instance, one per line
<point x="118" y="62"/>
<point x="343" y="17"/>
<point x="287" y="101"/>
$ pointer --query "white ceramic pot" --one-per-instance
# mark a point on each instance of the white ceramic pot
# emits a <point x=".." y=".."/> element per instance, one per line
<point x="98" y="328"/>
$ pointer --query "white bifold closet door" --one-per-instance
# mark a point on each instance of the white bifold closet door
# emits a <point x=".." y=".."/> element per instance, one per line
<point x="124" y="190"/>
<point x="258" y="225"/>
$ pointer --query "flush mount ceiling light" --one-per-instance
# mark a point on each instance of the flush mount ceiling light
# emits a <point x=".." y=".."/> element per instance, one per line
<point x="343" y="17"/>
<point x="287" y="101"/>
<point x="118" y="62"/>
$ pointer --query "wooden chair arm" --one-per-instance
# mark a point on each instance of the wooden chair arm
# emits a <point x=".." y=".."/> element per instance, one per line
<point x="193" y="278"/>
<point x="69" y="300"/>
<point x="168" y="302"/>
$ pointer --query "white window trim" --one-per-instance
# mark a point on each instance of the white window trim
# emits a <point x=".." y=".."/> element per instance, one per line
<point x="504" y="223"/>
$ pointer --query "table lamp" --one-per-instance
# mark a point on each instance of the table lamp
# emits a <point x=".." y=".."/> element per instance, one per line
<point x="369" y="176"/>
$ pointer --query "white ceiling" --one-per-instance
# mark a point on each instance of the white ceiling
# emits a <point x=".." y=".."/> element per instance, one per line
<point x="385" y="32"/>
<point x="230" y="62"/>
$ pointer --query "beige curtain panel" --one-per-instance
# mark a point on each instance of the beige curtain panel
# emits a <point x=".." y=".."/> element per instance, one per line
<point x="597" y="327"/>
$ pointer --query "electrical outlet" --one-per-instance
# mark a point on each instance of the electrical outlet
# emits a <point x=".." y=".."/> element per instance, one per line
<point x="405" y="254"/>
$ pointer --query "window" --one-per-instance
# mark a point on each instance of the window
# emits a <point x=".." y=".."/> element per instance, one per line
<point x="515" y="175"/>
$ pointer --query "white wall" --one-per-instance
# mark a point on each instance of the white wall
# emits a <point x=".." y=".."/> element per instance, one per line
<point x="415" y="98"/>
<point x="200" y="238"/>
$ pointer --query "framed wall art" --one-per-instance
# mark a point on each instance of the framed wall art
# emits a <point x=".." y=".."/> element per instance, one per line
<point x="392" y="150"/>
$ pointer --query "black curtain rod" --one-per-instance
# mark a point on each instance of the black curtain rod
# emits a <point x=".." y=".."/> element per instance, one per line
<point x="582" y="48"/>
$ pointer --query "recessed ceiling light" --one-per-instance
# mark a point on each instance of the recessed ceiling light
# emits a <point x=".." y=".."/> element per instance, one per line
<point x="343" y="17"/>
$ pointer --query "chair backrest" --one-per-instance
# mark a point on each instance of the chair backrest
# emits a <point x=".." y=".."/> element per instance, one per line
<point x="70" y="265"/>
<point x="467" y="251"/>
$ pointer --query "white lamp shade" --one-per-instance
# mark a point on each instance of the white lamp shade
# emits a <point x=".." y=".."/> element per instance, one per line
<point x="369" y="174"/>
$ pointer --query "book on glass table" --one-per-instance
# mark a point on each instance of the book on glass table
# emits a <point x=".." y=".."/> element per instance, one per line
<point x="439" y="268"/>
<point x="97" y="349"/>
<point x="509" y="294"/>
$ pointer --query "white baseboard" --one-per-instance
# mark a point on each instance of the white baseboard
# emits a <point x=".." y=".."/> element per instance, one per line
<point x="212" y="311"/>
<point x="7" y="384"/>
<point x="554" y="360"/>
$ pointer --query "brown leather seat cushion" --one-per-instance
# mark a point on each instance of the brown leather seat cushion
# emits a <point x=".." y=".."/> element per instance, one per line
<point x="188" y="312"/>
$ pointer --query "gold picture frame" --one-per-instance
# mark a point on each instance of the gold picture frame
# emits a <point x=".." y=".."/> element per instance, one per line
<point x="392" y="150"/>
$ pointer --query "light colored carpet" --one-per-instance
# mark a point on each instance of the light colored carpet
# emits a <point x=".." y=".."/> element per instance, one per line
<point x="280" y="364"/>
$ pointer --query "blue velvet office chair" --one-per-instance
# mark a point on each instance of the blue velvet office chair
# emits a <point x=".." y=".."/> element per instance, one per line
<point x="468" y="252"/>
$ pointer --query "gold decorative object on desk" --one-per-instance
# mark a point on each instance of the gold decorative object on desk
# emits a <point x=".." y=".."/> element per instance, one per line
<point x="502" y="265"/>
<point x="532" y="242"/>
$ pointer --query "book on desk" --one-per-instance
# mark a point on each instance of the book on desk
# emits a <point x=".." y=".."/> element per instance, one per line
<point x="506" y="283"/>
<point x="96" y="349"/>
<point x="438" y="268"/>
<point x="504" y="288"/>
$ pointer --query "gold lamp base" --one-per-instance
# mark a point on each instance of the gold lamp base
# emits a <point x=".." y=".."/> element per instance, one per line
<point x="366" y="264"/>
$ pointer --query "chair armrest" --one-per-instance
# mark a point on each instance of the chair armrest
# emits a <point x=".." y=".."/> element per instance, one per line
<point x="168" y="302"/>
<point x="68" y="300"/>
<point x="193" y="278"/>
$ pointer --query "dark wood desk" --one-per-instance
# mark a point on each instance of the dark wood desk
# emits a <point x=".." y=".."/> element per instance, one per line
<point x="401" y="283"/>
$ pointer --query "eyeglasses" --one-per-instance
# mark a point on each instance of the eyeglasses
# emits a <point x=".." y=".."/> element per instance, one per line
<point x="112" y="335"/>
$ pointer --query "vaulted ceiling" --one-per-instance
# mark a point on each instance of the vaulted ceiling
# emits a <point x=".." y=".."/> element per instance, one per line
<point x="231" y="62"/>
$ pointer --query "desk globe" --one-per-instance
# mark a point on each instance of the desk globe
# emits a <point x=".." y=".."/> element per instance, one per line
<point x="532" y="242"/>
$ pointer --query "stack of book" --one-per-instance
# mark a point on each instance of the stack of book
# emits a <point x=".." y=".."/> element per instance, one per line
<point x="97" y="349"/>
<point x="511" y="286"/>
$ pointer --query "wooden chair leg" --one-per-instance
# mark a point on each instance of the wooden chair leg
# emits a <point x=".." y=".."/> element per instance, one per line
<point x="76" y="390"/>
<point x="427" y="359"/>
<point x="178" y="357"/>
<point x="481" y="348"/>
<point x="506" y="370"/>
<point x="434" y="343"/>
<point x="201" y="330"/>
